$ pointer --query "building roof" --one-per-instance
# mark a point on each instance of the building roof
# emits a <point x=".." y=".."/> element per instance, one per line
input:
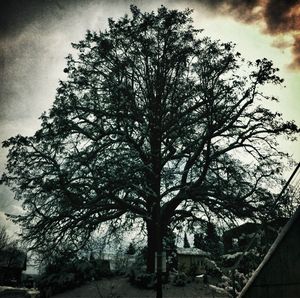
<point x="191" y="251"/>
<point x="246" y="228"/>
<point x="251" y="227"/>
<point x="271" y="251"/>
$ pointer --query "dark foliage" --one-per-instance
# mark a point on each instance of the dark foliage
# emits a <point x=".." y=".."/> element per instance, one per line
<point x="64" y="273"/>
<point x="209" y="240"/>
<point x="186" y="243"/>
<point x="180" y="279"/>
<point x="131" y="250"/>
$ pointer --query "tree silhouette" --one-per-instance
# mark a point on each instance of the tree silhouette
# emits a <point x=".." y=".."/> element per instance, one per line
<point x="186" y="243"/>
<point x="209" y="240"/>
<point x="131" y="249"/>
<point x="199" y="241"/>
<point x="4" y="239"/>
<point x="154" y="122"/>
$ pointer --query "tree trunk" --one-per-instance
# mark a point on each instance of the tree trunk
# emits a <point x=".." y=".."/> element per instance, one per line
<point x="154" y="251"/>
<point x="151" y="247"/>
<point x="159" y="250"/>
<point x="155" y="136"/>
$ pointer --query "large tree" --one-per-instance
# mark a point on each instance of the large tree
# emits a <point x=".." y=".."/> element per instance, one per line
<point x="154" y="122"/>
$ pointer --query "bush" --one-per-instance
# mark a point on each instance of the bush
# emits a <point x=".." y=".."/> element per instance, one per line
<point x="83" y="270"/>
<point x="61" y="276"/>
<point x="180" y="279"/>
<point x="240" y="280"/>
<point x="212" y="268"/>
<point x="56" y="283"/>
<point x="145" y="280"/>
<point x="192" y="272"/>
<point x="138" y="267"/>
<point x="102" y="269"/>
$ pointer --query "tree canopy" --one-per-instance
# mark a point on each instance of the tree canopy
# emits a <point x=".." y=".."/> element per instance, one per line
<point x="154" y="122"/>
<point x="209" y="240"/>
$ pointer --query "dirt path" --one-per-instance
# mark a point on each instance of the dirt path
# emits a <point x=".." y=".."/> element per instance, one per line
<point x="120" y="288"/>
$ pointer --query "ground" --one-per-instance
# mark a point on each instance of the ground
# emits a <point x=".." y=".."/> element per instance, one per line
<point x="120" y="288"/>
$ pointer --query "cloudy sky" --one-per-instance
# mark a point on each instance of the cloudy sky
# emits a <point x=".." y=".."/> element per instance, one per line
<point x="35" y="38"/>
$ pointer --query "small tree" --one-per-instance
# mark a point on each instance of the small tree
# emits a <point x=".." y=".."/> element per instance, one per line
<point x="209" y="240"/>
<point x="199" y="241"/>
<point x="131" y="249"/>
<point x="12" y="257"/>
<point x="169" y="243"/>
<point x="213" y="240"/>
<point x="186" y="243"/>
<point x="4" y="239"/>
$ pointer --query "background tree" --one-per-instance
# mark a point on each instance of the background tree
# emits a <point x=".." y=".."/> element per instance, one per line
<point x="13" y="259"/>
<point x="131" y="249"/>
<point x="7" y="243"/>
<point x="154" y="123"/>
<point x="186" y="243"/>
<point x="170" y="247"/>
<point x="4" y="239"/>
<point x="199" y="241"/>
<point x="209" y="240"/>
<point x="213" y="240"/>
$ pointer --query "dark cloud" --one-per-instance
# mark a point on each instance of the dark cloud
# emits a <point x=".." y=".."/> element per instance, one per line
<point x="296" y="51"/>
<point x="282" y="16"/>
<point x="245" y="10"/>
<point x="16" y="15"/>
<point x="277" y="16"/>
<point x="248" y="10"/>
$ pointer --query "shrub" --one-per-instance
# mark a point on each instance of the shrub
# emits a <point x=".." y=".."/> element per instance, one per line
<point x="102" y="269"/>
<point x="62" y="276"/>
<point x="239" y="279"/>
<point x="212" y="268"/>
<point x="145" y="280"/>
<point x="137" y="268"/>
<point x="180" y="279"/>
<point x="192" y="272"/>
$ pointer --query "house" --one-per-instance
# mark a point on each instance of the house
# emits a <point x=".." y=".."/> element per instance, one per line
<point x="278" y="275"/>
<point x="12" y="263"/>
<point x="191" y="259"/>
<point x="238" y="238"/>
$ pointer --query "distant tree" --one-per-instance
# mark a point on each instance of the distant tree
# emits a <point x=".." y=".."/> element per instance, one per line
<point x="131" y="249"/>
<point x="154" y="123"/>
<point x="92" y="257"/>
<point x="170" y="247"/>
<point x="170" y="239"/>
<point x="7" y="243"/>
<point x="213" y="240"/>
<point x="186" y="243"/>
<point x="199" y="241"/>
<point x="4" y="239"/>
<point x="12" y="258"/>
<point x="209" y="240"/>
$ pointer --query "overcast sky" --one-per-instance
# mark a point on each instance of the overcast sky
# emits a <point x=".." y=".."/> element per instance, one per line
<point x="36" y="36"/>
